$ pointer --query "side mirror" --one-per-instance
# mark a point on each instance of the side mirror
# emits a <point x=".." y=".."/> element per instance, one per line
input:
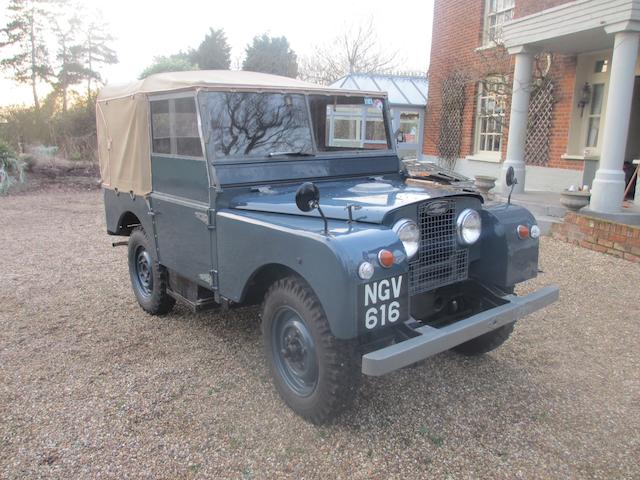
<point x="511" y="179"/>
<point x="400" y="138"/>
<point x="307" y="197"/>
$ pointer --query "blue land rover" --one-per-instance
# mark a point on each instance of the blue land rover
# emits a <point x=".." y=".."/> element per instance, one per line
<point x="239" y="188"/>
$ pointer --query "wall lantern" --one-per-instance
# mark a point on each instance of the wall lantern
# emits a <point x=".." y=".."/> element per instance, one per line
<point x="585" y="97"/>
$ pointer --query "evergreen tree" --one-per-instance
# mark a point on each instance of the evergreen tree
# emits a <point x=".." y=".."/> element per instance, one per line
<point x="24" y="36"/>
<point x="172" y="63"/>
<point x="95" y="51"/>
<point x="70" y="70"/>
<point x="214" y="53"/>
<point x="271" y="55"/>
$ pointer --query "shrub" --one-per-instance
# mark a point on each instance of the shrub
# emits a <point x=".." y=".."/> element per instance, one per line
<point x="11" y="168"/>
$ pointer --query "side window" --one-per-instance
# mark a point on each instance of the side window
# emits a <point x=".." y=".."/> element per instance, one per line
<point x="160" y="126"/>
<point x="186" y="127"/>
<point x="174" y="127"/>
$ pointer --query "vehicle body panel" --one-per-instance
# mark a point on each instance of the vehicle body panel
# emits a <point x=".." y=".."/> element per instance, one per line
<point x="374" y="199"/>
<point x="328" y="263"/>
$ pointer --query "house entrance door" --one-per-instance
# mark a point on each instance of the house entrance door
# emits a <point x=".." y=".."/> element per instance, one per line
<point x="633" y="139"/>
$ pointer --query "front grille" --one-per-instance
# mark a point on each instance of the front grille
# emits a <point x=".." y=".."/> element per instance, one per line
<point x="439" y="261"/>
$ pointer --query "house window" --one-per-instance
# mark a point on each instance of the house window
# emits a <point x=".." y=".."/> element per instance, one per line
<point x="174" y="127"/>
<point x="410" y="125"/>
<point x="498" y="12"/>
<point x="602" y="66"/>
<point x="356" y="125"/>
<point x="490" y="116"/>
<point x="595" y="111"/>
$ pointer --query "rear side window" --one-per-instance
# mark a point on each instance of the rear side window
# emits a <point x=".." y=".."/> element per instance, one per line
<point x="174" y="127"/>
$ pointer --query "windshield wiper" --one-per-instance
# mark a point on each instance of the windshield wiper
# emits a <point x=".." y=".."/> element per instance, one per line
<point x="299" y="153"/>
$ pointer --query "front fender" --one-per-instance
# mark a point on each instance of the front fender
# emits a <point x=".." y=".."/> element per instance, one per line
<point x="329" y="263"/>
<point x="505" y="259"/>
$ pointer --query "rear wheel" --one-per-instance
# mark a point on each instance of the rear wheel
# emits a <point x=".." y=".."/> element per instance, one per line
<point x="485" y="343"/>
<point x="315" y="373"/>
<point x="148" y="277"/>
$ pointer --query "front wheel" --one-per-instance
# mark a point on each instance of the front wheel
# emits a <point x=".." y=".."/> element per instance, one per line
<point x="148" y="277"/>
<point x="315" y="373"/>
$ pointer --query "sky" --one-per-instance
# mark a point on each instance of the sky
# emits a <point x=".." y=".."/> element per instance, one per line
<point x="145" y="28"/>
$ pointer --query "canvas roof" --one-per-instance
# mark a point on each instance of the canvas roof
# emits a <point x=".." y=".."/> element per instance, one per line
<point x="122" y="113"/>
<point x="219" y="79"/>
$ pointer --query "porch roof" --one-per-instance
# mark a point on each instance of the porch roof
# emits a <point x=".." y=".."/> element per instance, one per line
<point x="575" y="27"/>
<point x="407" y="90"/>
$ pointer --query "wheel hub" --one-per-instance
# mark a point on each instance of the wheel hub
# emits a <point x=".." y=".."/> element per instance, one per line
<point x="144" y="271"/>
<point x="294" y="352"/>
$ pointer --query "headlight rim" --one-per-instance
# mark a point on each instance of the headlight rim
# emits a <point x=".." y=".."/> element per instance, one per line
<point x="460" y="226"/>
<point x="403" y="223"/>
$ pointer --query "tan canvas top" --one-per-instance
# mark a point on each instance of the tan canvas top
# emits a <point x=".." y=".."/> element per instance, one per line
<point x="123" y="118"/>
<point x="219" y="79"/>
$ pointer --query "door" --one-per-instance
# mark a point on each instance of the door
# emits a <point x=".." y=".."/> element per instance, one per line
<point x="180" y="198"/>
<point x="409" y="139"/>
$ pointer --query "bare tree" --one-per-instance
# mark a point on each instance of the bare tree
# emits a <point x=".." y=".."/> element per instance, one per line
<point x="357" y="50"/>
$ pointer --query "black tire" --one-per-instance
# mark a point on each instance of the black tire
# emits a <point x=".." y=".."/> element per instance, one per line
<point x="148" y="277"/>
<point x="485" y="343"/>
<point x="318" y="378"/>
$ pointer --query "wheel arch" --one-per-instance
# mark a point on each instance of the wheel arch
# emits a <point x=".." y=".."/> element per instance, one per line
<point x="127" y="222"/>
<point x="262" y="278"/>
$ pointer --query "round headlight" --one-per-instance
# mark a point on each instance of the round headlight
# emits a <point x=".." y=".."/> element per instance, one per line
<point x="469" y="226"/>
<point x="409" y="234"/>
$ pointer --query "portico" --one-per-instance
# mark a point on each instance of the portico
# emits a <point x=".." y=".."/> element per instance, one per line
<point x="579" y="28"/>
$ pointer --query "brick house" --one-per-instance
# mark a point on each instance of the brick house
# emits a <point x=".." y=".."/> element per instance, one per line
<point x="561" y="78"/>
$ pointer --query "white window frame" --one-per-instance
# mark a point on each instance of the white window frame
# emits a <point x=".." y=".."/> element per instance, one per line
<point x="599" y="115"/>
<point x="489" y="38"/>
<point x="479" y="153"/>
<point x="361" y="120"/>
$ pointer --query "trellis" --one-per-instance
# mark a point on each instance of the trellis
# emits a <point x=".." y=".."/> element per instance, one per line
<point x="539" y="124"/>
<point x="451" y="118"/>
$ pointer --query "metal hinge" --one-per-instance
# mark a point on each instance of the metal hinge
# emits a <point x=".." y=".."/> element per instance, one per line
<point x="208" y="218"/>
<point x="213" y="274"/>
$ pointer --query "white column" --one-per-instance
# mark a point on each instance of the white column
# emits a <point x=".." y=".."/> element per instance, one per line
<point x="608" y="185"/>
<point x="518" y="118"/>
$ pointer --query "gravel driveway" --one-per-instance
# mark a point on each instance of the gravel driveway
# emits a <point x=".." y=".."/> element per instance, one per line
<point x="90" y="386"/>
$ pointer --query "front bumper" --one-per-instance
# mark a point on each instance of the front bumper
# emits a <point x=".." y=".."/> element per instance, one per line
<point x="435" y="340"/>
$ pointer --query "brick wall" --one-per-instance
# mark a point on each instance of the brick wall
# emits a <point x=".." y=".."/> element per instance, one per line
<point x="457" y="34"/>
<point x="622" y="241"/>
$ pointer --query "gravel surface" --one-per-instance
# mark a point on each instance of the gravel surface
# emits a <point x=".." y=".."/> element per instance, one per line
<point x="90" y="386"/>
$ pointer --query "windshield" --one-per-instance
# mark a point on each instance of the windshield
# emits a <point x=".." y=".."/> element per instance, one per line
<point x="245" y="124"/>
<point x="348" y="123"/>
<point x="255" y="124"/>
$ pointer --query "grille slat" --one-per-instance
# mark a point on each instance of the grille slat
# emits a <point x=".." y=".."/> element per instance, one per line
<point x="439" y="261"/>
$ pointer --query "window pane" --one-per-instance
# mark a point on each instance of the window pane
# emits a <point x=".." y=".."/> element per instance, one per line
<point x="596" y="99"/>
<point x="490" y="115"/>
<point x="602" y="66"/>
<point x="346" y="129"/>
<point x="348" y="123"/>
<point x="160" y="126"/>
<point x="256" y="124"/>
<point x="186" y="127"/>
<point x="375" y="131"/>
<point x="410" y="124"/>
<point x="592" y="132"/>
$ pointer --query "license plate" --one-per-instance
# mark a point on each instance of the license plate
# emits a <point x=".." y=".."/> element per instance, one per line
<point x="383" y="302"/>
